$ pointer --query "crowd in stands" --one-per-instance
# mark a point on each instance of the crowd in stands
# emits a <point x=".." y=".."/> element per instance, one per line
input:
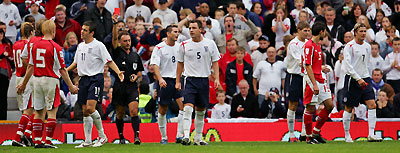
<point x="251" y="35"/>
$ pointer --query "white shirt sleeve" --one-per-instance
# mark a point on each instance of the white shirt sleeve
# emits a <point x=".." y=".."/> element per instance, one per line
<point x="181" y="52"/>
<point x="257" y="72"/>
<point x="105" y="55"/>
<point x="25" y="51"/>
<point x="347" y="66"/>
<point x="155" y="57"/>
<point x="215" y="56"/>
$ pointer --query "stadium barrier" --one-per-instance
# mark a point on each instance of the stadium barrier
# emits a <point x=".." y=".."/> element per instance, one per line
<point x="269" y="130"/>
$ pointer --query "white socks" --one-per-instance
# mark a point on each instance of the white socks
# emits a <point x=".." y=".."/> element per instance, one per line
<point x="179" y="132"/>
<point x="371" y="121"/>
<point x="199" y="124"/>
<point x="87" y="127"/>
<point x="187" y="120"/>
<point x="97" y="122"/>
<point x="346" y="124"/>
<point x="290" y="122"/>
<point x="162" y="125"/>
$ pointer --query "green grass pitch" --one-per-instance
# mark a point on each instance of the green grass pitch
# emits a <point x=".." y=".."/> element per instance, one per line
<point x="224" y="147"/>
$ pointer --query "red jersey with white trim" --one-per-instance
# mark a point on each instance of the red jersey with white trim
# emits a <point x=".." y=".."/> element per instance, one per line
<point x="47" y="59"/>
<point x="25" y="52"/>
<point x="18" y="47"/>
<point x="313" y="56"/>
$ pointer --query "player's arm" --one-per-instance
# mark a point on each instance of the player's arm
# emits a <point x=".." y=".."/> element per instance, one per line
<point x="115" y="32"/>
<point x="65" y="76"/>
<point x="161" y="81"/>
<point x="179" y="70"/>
<point x="349" y="68"/>
<point x="21" y="87"/>
<point x="115" y="68"/>
<point x="255" y="86"/>
<point x="71" y="67"/>
<point x="215" y="68"/>
<point x="310" y="74"/>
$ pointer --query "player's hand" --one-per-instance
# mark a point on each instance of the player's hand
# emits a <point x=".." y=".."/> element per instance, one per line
<point x="315" y="89"/>
<point x="133" y="78"/>
<point x="325" y="69"/>
<point x="20" y="88"/>
<point x="217" y="85"/>
<point x="73" y="89"/>
<point x="121" y="76"/>
<point x="362" y="83"/>
<point x="394" y="64"/>
<point x="162" y="83"/>
<point x="242" y="18"/>
<point x="11" y="23"/>
<point x="178" y="86"/>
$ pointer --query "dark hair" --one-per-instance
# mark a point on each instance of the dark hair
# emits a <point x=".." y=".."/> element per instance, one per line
<point x="379" y="70"/>
<point x="301" y="25"/>
<point x="396" y="39"/>
<point x="139" y="18"/>
<point x="220" y="91"/>
<point x="38" y="27"/>
<point x="233" y="39"/>
<point x="230" y="16"/>
<point x="317" y="28"/>
<point x="240" y="5"/>
<point x="374" y="43"/>
<point x="231" y="2"/>
<point x="354" y="7"/>
<point x="198" y="23"/>
<point x="122" y="34"/>
<point x="144" y="88"/>
<point x="254" y="5"/>
<point x="380" y="11"/>
<point x="170" y="27"/>
<point x="26" y="29"/>
<point x="4" y="41"/>
<point x="91" y="25"/>
<point x="29" y="18"/>
<point x="2" y="23"/>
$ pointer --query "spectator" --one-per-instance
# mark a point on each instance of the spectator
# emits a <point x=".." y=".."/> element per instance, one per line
<point x="269" y="73"/>
<point x="70" y="45"/>
<point x="64" y="26"/>
<point x="381" y="35"/>
<point x="258" y="9"/>
<point x="111" y="39"/>
<point x="130" y="24"/>
<point x="219" y="14"/>
<point x="386" y="47"/>
<point x="34" y="8"/>
<point x="396" y="105"/>
<point x="139" y="31"/>
<point x="72" y="98"/>
<point x="221" y="110"/>
<point x="244" y="104"/>
<point x="376" y="61"/>
<point x="254" y="44"/>
<point x="392" y="66"/>
<point x="335" y="28"/>
<point x="339" y="82"/>
<point x="329" y="47"/>
<point x="384" y="109"/>
<point x="144" y="99"/>
<point x="373" y="5"/>
<point x="166" y="15"/>
<point x="304" y="16"/>
<point x="154" y="38"/>
<point x="343" y="13"/>
<point x="370" y="37"/>
<point x="356" y="11"/>
<point x="9" y="14"/>
<point x="253" y="17"/>
<point x="138" y="10"/>
<point x="379" y="85"/>
<point x="395" y="17"/>
<point x="107" y="85"/>
<point x="232" y="11"/>
<point x="281" y="26"/>
<point x="5" y="73"/>
<point x="299" y="4"/>
<point x="204" y="12"/>
<point x="272" y="106"/>
<point x="348" y="36"/>
<point x="242" y="36"/>
<point x="192" y="5"/>
<point x="101" y="17"/>
<point x="378" y="20"/>
<point x="260" y="54"/>
<point x="80" y="8"/>
<point x="238" y="70"/>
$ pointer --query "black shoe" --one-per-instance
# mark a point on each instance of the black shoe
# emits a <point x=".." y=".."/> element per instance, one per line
<point x="40" y="146"/>
<point x="18" y="144"/>
<point x="122" y="141"/>
<point x="137" y="141"/>
<point x="319" y="138"/>
<point x="27" y="141"/>
<point x="302" y="138"/>
<point x="178" y="140"/>
<point x="312" y="141"/>
<point x="201" y="143"/>
<point x="50" y="146"/>
<point x="186" y="141"/>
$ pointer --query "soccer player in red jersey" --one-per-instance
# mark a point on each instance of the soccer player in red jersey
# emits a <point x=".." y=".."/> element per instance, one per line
<point x="24" y="101"/>
<point x="316" y="89"/>
<point x="46" y="63"/>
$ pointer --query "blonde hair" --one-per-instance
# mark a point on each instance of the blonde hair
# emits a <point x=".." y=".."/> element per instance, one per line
<point x="367" y="23"/>
<point x="185" y="12"/>
<point x="69" y="34"/>
<point x="48" y="27"/>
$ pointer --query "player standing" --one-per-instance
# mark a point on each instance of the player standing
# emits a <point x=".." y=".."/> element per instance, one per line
<point x="46" y="63"/>
<point x="294" y="78"/>
<point x="197" y="55"/>
<point x="314" y="81"/>
<point x="90" y="58"/>
<point x="355" y="64"/>
<point x="164" y="62"/>
<point x="125" y="93"/>
<point x="24" y="100"/>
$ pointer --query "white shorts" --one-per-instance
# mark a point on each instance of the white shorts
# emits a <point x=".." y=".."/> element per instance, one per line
<point x="24" y="100"/>
<point x="309" y="97"/>
<point x="46" y="93"/>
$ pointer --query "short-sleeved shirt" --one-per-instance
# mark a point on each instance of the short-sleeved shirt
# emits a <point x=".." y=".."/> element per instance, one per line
<point x="164" y="56"/>
<point x="25" y="52"/>
<point x="91" y="58"/>
<point x="47" y="59"/>
<point x="129" y="63"/>
<point x="198" y="57"/>
<point x="313" y="56"/>
<point x="293" y="58"/>
<point x="18" y="47"/>
<point x="270" y="75"/>
<point x="279" y="32"/>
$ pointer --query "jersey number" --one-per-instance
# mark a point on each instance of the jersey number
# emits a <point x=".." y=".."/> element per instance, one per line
<point x="18" y="58"/>
<point x="363" y="57"/>
<point x="96" y="91"/>
<point x="198" y="55"/>
<point x="40" y="57"/>
<point x="83" y="56"/>
<point x="173" y="59"/>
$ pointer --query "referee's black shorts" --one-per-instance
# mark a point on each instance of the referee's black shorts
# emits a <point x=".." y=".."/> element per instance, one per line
<point x="125" y="93"/>
<point x="354" y="94"/>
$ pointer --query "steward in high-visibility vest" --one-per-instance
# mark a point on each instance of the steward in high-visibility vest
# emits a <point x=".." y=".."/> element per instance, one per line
<point x="143" y="100"/>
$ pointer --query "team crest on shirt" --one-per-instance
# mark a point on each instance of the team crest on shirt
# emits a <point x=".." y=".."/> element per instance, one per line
<point x="206" y="48"/>
<point x="134" y="66"/>
<point x="89" y="50"/>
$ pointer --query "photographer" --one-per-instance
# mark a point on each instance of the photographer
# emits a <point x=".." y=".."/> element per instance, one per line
<point x="272" y="107"/>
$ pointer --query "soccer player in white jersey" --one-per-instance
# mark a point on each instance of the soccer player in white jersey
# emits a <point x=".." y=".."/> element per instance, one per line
<point x="198" y="56"/>
<point x="294" y="78"/>
<point x="164" y="63"/>
<point x="90" y="58"/>
<point x="355" y="64"/>
<point x="46" y="63"/>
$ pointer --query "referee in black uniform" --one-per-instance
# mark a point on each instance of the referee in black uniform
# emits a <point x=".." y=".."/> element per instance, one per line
<point x="126" y="93"/>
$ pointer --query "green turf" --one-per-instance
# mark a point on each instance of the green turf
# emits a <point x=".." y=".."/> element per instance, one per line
<point x="224" y="147"/>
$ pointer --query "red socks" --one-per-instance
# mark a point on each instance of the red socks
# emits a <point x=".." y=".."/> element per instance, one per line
<point x="50" y="127"/>
<point x="28" y="130"/>
<point x="21" y="127"/>
<point x="322" y="117"/>
<point x="308" y="122"/>
<point x="37" y="131"/>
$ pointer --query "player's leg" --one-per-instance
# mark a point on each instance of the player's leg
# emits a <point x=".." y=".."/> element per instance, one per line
<point x="346" y="122"/>
<point x="291" y="114"/>
<point x="94" y="114"/>
<point x="179" y="131"/>
<point x="352" y="92"/>
<point x="21" y="127"/>
<point x="119" y="122"/>
<point x="162" y="122"/>
<point x="321" y="119"/>
<point x="40" y="111"/>
<point x="27" y="137"/>
<point x="87" y="120"/>
<point x="189" y="92"/>
<point x="372" y="121"/>
<point x="50" y="127"/>
<point x="53" y="100"/>
<point x="133" y="110"/>
<point x="202" y="101"/>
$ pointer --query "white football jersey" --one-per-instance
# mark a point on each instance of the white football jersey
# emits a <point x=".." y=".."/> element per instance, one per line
<point x="356" y="59"/>
<point x="293" y="58"/>
<point x="91" y="58"/>
<point x="221" y="111"/>
<point x="198" y="57"/>
<point x="164" y="56"/>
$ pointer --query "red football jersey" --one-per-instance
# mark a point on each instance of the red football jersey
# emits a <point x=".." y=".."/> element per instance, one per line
<point x="18" y="47"/>
<point x="313" y="56"/>
<point x="47" y="58"/>
<point x="30" y="45"/>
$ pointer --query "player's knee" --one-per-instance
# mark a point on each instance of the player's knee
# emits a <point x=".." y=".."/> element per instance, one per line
<point x="133" y="113"/>
<point x="371" y="105"/>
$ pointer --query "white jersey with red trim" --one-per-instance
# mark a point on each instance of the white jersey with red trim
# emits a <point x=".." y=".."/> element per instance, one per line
<point x="91" y="58"/>
<point x="356" y="59"/>
<point x="164" y="56"/>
